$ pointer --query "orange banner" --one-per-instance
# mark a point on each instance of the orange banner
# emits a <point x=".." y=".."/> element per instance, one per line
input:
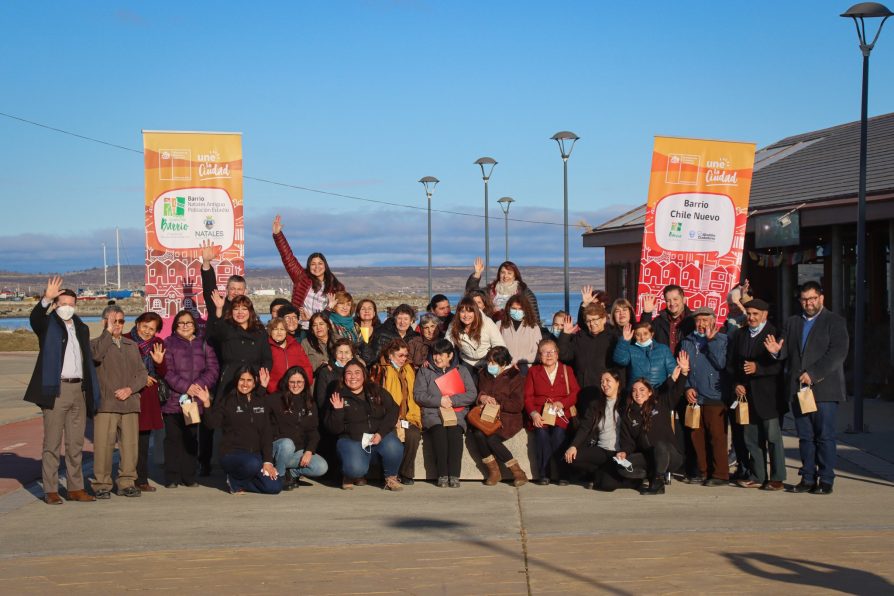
<point x="193" y="194"/>
<point x="695" y="220"/>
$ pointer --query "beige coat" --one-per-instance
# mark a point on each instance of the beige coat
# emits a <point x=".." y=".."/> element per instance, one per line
<point x="118" y="365"/>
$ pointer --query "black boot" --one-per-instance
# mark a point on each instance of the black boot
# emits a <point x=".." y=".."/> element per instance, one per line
<point x="656" y="487"/>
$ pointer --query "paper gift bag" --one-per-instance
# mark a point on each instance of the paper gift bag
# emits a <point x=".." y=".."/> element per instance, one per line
<point x="693" y="416"/>
<point x="190" y="413"/>
<point x="548" y="415"/>
<point x="490" y="412"/>
<point x="448" y="416"/>
<point x="806" y="400"/>
<point x="400" y="432"/>
<point x="742" y="411"/>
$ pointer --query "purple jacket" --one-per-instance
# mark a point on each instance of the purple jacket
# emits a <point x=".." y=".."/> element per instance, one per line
<point x="187" y="362"/>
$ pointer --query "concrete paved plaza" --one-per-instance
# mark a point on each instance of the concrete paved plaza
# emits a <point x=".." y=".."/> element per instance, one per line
<point x="471" y="540"/>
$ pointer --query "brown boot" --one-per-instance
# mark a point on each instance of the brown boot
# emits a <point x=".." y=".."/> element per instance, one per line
<point x="392" y="483"/>
<point x="518" y="475"/>
<point x="493" y="471"/>
<point x="80" y="495"/>
<point x="52" y="499"/>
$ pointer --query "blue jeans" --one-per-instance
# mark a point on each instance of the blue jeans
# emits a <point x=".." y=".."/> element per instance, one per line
<point x="816" y="441"/>
<point x="550" y="440"/>
<point x="286" y="457"/>
<point x="355" y="460"/>
<point x="243" y="471"/>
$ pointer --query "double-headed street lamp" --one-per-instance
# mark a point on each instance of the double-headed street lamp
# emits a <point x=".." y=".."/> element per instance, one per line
<point x="487" y="167"/>
<point x="859" y="12"/>
<point x="429" y="182"/>
<point x="566" y="141"/>
<point x="505" y="203"/>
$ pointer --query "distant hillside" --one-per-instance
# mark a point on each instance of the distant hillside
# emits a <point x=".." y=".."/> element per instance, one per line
<point x="356" y="279"/>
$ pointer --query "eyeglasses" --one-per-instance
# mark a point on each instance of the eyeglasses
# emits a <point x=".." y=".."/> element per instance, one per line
<point x="185" y="323"/>
<point x="119" y="321"/>
<point x="549" y="353"/>
<point x="810" y="299"/>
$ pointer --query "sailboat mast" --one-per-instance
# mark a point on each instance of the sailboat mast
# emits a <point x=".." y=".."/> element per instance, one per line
<point x="105" y="268"/>
<point x="118" y="255"/>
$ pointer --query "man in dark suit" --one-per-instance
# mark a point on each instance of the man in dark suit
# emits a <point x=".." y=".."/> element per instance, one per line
<point x="64" y="385"/>
<point x="814" y="346"/>
<point x="755" y="375"/>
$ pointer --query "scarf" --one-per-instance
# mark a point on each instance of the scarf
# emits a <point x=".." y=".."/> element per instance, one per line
<point x="345" y="326"/>
<point x="145" y="346"/>
<point x="503" y="292"/>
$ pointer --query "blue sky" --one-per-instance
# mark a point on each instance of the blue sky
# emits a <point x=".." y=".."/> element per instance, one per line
<point x="364" y="98"/>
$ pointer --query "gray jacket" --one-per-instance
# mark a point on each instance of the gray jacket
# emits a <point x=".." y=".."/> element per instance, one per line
<point x="118" y="365"/>
<point x="428" y="395"/>
<point x="822" y="356"/>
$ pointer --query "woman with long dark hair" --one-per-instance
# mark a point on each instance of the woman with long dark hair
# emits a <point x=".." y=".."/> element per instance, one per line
<point x="473" y="335"/>
<point x="647" y="437"/>
<point x="144" y="334"/>
<point x="319" y="340"/>
<point x="597" y="439"/>
<point x="363" y="415"/>
<point x="312" y="283"/>
<point x="246" y="447"/>
<point x="190" y="366"/>
<point x="520" y="329"/>
<point x="507" y="284"/>
<point x="242" y="340"/>
<point x="296" y="434"/>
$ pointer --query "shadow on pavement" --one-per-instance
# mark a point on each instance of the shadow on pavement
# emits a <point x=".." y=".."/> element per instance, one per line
<point x="843" y="469"/>
<point x="810" y="573"/>
<point x="521" y="555"/>
<point x="24" y="470"/>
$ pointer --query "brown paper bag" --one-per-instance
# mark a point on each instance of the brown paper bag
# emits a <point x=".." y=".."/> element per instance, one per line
<point x="806" y="400"/>
<point x="191" y="413"/>
<point x="693" y="417"/>
<point x="400" y="432"/>
<point x="742" y="415"/>
<point x="490" y="412"/>
<point x="448" y="416"/>
<point x="548" y="416"/>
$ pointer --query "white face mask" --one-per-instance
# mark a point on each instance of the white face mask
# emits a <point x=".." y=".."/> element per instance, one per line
<point x="65" y="312"/>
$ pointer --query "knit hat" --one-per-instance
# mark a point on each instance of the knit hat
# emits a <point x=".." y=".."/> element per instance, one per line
<point x="703" y="310"/>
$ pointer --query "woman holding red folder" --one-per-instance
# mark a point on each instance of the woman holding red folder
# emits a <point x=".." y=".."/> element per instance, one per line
<point x="550" y="396"/>
<point x="440" y="391"/>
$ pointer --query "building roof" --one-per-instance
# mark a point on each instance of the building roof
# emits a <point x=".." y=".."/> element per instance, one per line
<point x="805" y="168"/>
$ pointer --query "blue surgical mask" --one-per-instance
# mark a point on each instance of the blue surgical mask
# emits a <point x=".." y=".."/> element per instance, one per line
<point x="339" y="364"/>
<point x="493" y="369"/>
<point x="644" y="344"/>
<point x="516" y="314"/>
<point x="699" y="334"/>
<point x="395" y="364"/>
<point x="556" y="331"/>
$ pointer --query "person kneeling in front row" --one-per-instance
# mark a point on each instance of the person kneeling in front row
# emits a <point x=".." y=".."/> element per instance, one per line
<point x="296" y="433"/>
<point x="246" y="448"/>
<point x="362" y="416"/>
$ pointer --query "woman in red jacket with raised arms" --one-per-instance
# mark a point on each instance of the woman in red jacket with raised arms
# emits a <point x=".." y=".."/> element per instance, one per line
<point x="311" y="285"/>
<point x="550" y="396"/>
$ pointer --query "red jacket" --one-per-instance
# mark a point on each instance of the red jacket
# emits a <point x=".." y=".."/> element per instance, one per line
<point x="301" y="280"/>
<point x="285" y="358"/>
<point x="538" y="391"/>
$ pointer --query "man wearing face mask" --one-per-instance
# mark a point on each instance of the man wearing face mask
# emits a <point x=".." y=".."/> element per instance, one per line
<point x="706" y="387"/>
<point x="755" y="377"/>
<point x="65" y="386"/>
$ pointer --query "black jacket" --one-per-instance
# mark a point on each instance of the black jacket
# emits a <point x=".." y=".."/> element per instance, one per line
<point x="765" y="400"/>
<point x="238" y="347"/>
<point x="40" y="322"/>
<point x="360" y="415"/>
<point x="588" y="430"/>
<point x="589" y="355"/>
<point x="209" y="286"/>
<point x="822" y="357"/>
<point x="633" y="439"/>
<point x="380" y="338"/>
<point x="326" y="379"/>
<point x="661" y="326"/>
<point x="300" y="423"/>
<point x="245" y="424"/>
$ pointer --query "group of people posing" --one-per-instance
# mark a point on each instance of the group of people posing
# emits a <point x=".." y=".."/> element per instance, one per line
<point x="327" y="390"/>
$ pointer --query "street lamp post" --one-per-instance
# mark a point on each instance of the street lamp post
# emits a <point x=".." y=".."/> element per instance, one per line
<point x="505" y="203"/>
<point x="566" y="141"/>
<point x="858" y="12"/>
<point x="487" y="167"/>
<point x="429" y="182"/>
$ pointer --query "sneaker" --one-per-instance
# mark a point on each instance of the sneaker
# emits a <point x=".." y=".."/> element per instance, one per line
<point x="103" y="494"/>
<point x="288" y="483"/>
<point x="130" y="491"/>
<point x="391" y="483"/>
<point x="694" y="479"/>
<point x="748" y="484"/>
<point x="406" y="481"/>
<point x="443" y="482"/>
<point x="453" y="482"/>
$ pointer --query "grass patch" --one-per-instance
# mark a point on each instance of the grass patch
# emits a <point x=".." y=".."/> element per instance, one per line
<point x="20" y="340"/>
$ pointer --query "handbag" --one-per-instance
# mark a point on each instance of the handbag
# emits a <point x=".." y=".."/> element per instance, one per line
<point x="473" y="417"/>
<point x="164" y="391"/>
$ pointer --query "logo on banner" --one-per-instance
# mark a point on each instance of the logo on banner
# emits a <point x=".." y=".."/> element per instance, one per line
<point x="210" y="167"/>
<point x="682" y="169"/>
<point x="698" y="222"/>
<point x="175" y="164"/>
<point x="193" y="215"/>
<point x="720" y="173"/>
